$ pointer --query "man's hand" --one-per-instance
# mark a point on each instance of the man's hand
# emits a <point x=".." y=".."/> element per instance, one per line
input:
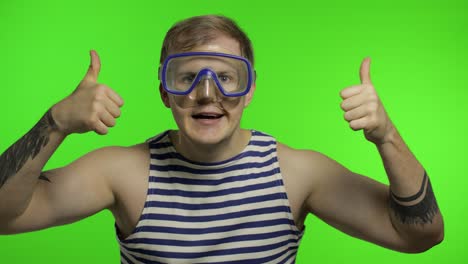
<point x="91" y="107"/>
<point x="364" y="110"/>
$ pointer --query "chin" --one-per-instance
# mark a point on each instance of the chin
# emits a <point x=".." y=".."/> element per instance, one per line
<point x="208" y="136"/>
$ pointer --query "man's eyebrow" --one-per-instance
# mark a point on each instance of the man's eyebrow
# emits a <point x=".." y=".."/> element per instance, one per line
<point x="185" y="72"/>
<point x="228" y="71"/>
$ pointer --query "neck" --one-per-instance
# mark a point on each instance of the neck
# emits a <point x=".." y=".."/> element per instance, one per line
<point x="210" y="153"/>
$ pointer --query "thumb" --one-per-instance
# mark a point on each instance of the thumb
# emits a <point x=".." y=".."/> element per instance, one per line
<point x="94" y="67"/>
<point x="364" y="72"/>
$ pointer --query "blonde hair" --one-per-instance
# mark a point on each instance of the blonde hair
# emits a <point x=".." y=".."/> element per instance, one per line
<point x="199" y="30"/>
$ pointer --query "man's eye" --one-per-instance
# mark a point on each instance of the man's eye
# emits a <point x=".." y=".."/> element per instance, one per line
<point x="224" y="78"/>
<point x="188" y="78"/>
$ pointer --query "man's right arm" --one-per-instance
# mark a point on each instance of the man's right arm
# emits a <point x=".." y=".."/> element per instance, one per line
<point x="21" y="165"/>
<point x="31" y="199"/>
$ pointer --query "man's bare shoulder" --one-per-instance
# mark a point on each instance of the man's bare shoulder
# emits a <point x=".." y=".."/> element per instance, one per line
<point x="128" y="153"/>
<point x="307" y="174"/>
<point x="122" y="159"/>
<point x="307" y="166"/>
<point x="117" y="156"/>
<point x="112" y="163"/>
<point x="122" y="150"/>
<point x="302" y="159"/>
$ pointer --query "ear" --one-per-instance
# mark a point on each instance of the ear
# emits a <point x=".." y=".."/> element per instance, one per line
<point x="164" y="96"/>
<point x="249" y="95"/>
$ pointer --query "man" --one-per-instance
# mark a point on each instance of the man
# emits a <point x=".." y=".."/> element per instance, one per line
<point x="212" y="192"/>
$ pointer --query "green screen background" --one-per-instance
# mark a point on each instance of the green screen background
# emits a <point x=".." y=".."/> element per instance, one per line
<point x="306" y="52"/>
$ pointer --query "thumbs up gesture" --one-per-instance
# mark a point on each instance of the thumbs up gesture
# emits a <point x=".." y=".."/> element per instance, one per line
<point x="91" y="107"/>
<point x="364" y="110"/>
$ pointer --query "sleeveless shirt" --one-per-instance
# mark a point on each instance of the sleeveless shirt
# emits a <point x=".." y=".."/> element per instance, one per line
<point x="234" y="211"/>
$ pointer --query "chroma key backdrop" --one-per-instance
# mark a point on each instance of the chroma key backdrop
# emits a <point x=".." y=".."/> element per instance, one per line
<point x="306" y="53"/>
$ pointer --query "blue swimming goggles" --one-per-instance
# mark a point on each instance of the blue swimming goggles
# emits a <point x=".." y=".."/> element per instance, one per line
<point x="181" y="73"/>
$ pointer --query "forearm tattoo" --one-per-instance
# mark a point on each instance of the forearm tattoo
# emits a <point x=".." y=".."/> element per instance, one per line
<point x="14" y="158"/>
<point x="421" y="213"/>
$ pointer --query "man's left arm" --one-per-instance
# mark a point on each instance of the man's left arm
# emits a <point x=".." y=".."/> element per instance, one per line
<point x="413" y="208"/>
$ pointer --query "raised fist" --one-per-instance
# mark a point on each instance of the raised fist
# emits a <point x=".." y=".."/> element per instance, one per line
<point x="364" y="110"/>
<point x="91" y="107"/>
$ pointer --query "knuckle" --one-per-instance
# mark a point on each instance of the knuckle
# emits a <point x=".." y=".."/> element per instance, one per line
<point x="89" y="124"/>
<point x="373" y="97"/>
<point x="354" y="126"/>
<point x="372" y="107"/>
<point x="95" y="106"/>
<point x="102" y="131"/>
<point x="95" y="122"/>
<point x="99" y="96"/>
<point x="347" y="116"/>
<point x="93" y="119"/>
<point x="100" y="89"/>
<point x="342" y="93"/>
<point x="369" y="87"/>
<point x="343" y="105"/>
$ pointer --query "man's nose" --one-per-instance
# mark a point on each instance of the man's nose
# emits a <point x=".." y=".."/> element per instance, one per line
<point x="207" y="90"/>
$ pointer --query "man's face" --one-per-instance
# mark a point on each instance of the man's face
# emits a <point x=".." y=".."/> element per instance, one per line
<point x="212" y="118"/>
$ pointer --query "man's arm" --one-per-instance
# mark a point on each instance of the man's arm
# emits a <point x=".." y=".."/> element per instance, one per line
<point x="21" y="165"/>
<point x="73" y="192"/>
<point x="359" y="205"/>
<point x="413" y="208"/>
<point x="27" y="194"/>
<point x="403" y="216"/>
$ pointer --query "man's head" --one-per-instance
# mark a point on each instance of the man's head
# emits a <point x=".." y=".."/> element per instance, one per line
<point x="210" y="117"/>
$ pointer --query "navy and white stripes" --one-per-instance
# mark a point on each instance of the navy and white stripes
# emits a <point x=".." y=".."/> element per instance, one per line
<point x="235" y="211"/>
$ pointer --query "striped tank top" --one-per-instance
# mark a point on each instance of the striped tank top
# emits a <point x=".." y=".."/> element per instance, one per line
<point x="234" y="211"/>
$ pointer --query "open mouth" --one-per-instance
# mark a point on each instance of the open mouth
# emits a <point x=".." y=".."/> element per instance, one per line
<point x="207" y="116"/>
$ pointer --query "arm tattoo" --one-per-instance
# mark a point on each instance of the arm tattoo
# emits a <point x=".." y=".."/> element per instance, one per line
<point x="421" y="213"/>
<point x="27" y="147"/>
